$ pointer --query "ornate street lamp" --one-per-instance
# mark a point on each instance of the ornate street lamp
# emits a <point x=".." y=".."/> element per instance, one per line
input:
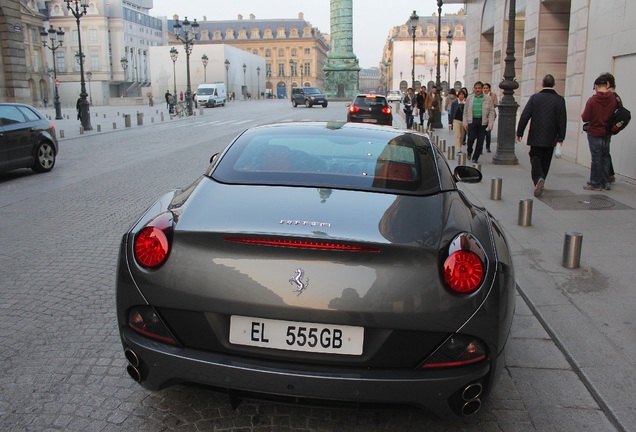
<point x="437" y="114"/>
<point x="204" y="60"/>
<point x="174" y="55"/>
<point x="455" y="61"/>
<point x="89" y="75"/>
<point x="57" y="40"/>
<point x="244" y="84"/>
<point x="124" y="66"/>
<point x="505" y="154"/>
<point x="188" y="38"/>
<point x="227" y="75"/>
<point x="78" y="9"/>
<point x="414" y="22"/>
<point x="449" y="41"/>
<point x="258" y="82"/>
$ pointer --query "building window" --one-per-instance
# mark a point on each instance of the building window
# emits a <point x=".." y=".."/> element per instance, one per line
<point x="75" y="36"/>
<point x="242" y="34"/>
<point x="36" y="61"/>
<point x="430" y="31"/>
<point x="294" y="52"/>
<point x="281" y="69"/>
<point x="293" y="68"/>
<point x="281" y="52"/>
<point x="293" y="32"/>
<point x="255" y="51"/>
<point x="92" y="35"/>
<point x="307" y="51"/>
<point x="268" y="69"/>
<point x="229" y="34"/>
<point x="281" y="33"/>
<point x="268" y="52"/>
<point x="217" y="35"/>
<point x="256" y="34"/>
<point x="268" y="34"/>
<point x="61" y="61"/>
<point x="307" y="69"/>
<point x="94" y="60"/>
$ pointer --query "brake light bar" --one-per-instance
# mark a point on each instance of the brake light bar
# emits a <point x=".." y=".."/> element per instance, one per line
<point x="302" y="244"/>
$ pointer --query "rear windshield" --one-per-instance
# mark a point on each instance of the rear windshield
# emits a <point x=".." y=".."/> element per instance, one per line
<point x="370" y="101"/>
<point x="332" y="156"/>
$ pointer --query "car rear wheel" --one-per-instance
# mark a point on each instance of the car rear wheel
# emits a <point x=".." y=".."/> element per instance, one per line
<point x="308" y="104"/>
<point x="294" y="103"/>
<point x="44" y="157"/>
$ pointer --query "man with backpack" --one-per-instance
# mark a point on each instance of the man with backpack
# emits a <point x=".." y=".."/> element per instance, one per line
<point x="597" y="113"/>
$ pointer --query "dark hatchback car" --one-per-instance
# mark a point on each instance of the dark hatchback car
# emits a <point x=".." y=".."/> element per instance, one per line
<point x="27" y="139"/>
<point x="318" y="263"/>
<point x="370" y="108"/>
<point x="308" y="96"/>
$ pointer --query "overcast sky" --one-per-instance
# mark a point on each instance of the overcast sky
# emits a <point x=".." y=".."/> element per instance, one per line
<point x="372" y="19"/>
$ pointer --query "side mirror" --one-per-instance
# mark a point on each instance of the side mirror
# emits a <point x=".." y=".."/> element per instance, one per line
<point x="348" y="105"/>
<point x="213" y="160"/>
<point x="467" y="174"/>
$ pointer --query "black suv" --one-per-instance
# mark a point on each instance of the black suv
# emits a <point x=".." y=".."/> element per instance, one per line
<point x="308" y="96"/>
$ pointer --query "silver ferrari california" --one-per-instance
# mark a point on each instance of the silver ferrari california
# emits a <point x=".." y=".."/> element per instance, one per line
<point x="319" y="263"/>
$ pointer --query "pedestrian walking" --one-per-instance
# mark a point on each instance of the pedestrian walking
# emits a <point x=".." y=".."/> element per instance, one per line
<point x="181" y="96"/>
<point x="458" y="117"/>
<point x="167" y="96"/>
<point x="433" y="104"/>
<point x="493" y="96"/>
<point x="421" y="102"/>
<point x="449" y="103"/>
<point x="409" y="104"/>
<point x="611" y="86"/>
<point x="479" y="117"/>
<point x="598" y="110"/>
<point x="77" y="107"/>
<point x="547" y="115"/>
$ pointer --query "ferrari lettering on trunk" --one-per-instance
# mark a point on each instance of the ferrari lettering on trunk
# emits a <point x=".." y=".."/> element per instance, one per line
<point x="304" y="223"/>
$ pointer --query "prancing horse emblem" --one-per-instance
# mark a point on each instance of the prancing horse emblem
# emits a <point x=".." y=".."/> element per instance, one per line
<point x="298" y="281"/>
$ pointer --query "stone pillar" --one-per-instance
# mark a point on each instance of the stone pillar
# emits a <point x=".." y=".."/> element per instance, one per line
<point x="341" y="69"/>
<point x="13" y="85"/>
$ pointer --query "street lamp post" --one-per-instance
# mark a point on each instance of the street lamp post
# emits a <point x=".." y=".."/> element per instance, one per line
<point x="244" y="89"/>
<point x="57" y="40"/>
<point x="174" y="55"/>
<point x="227" y="75"/>
<point x="124" y="66"/>
<point x="188" y="38"/>
<point x="204" y="60"/>
<point x="455" y="61"/>
<point x="506" y="135"/>
<point x="449" y="41"/>
<point x="78" y="9"/>
<point x="258" y="82"/>
<point x="437" y="114"/>
<point x="89" y="75"/>
<point x="414" y="22"/>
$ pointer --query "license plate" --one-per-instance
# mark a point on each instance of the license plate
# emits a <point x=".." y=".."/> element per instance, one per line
<point x="370" y="120"/>
<point x="296" y="336"/>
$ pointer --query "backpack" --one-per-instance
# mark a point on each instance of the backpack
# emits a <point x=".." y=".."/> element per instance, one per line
<point x="619" y="119"/>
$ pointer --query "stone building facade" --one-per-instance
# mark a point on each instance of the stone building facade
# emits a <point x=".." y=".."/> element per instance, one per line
<point x="294" y="50"/>
<point x="573" y="40"/>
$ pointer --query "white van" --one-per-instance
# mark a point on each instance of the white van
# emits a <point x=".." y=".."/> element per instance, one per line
<point x="211" y="95"/>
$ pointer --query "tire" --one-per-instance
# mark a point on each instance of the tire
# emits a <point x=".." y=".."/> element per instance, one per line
<point x="308" y="104"/>
<point x="44" y="157"/>
<point x="294" y="103"/>
<point x="325" y="105"/>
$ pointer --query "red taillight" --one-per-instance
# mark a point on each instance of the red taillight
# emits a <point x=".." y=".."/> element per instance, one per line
<point x="353" y="109"/>
<point x="152" y="244"/>
<point x="386" y="110"/>
<point x="302" y="244"/>
<point x="463" y="271"/>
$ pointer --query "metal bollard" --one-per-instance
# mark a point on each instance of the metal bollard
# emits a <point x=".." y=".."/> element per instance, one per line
<point x="443" y="145"/>
<point x="525" y="212"/>
<point x="140" y="118"/>
<point x="451" y="153"/>
<point x="127" y="120"/>
<point x="201" y="108"/>
<point x="104" y="115"/>
<point x="152" y="119"/>
<point x="495" y="189"/>
<point x="436" y="140"/>
<point x="81" y="130"/>
<point x="99" y="128"/>
<point x="114" y="125"/>
<point x="61" y="134"/>
<point x="161" y="116"/>
<point x="572" y="250"/>
<point x="96" y="115"/>
<point x="461" y="159"/>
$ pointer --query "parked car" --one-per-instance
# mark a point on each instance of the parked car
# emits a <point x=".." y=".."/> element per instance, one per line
<point x="27" y="139"/>
<point x="320" y="261"/>
<point x="308" y="96"/>
<point x="394" y="96"/>
<point x="367" y="108"/>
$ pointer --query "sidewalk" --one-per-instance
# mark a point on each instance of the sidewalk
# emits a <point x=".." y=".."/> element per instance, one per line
<point x="590" y="311"/>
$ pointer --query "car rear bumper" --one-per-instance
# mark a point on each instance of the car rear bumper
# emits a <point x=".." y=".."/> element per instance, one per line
<point x="438" y="391"/>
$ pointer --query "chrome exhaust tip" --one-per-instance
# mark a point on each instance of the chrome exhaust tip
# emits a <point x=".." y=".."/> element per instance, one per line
<point x="471" y="407"/>
<point x="472" y="391"/>
<point x="134" y="373"/>
<point x="132" y="357"/>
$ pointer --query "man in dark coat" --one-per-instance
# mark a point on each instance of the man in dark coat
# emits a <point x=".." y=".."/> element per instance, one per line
<point x="548" y="116"/>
